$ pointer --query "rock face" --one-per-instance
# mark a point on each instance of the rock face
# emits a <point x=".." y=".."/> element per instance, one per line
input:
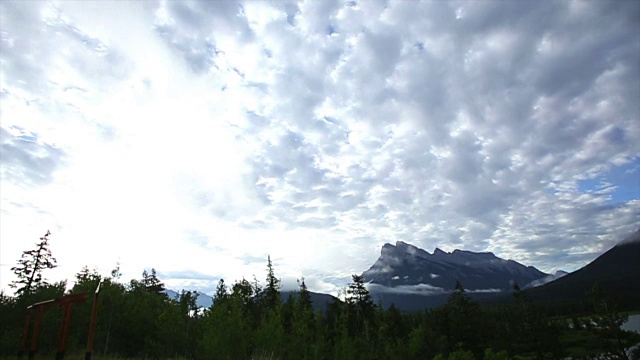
<point x="405" y="265"/>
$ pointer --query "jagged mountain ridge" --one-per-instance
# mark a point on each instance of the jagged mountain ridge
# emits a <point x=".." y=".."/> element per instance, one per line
<point x="406" y="265"/>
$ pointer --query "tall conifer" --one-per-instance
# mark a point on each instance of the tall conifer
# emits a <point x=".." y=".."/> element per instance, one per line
<point x="31" y="265"/>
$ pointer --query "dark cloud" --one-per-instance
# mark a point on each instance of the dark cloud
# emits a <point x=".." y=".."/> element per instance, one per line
<point x="27" y="161"/>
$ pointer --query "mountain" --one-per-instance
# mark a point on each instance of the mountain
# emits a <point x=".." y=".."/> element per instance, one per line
<point x="319" y="301"/>
<point x="203" y="300"/>
<point x="551" y="277"/>
<point x="617" y="271"/>
<point x="407" y="268"/>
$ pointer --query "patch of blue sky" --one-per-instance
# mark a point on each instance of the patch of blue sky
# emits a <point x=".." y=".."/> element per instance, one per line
<point x="330" y="30"/>
<point x="24" y="134"/>
<point x="621" y="183"/>
<point x="28" y="137"/>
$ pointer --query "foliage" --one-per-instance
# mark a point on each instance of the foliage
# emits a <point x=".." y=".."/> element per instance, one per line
<point x="31" y="265"/>
<point x="607" y="322"/>
<point x="151" y="282"/>
<point x="271" y="293"/>
<point x="248" y="321"/>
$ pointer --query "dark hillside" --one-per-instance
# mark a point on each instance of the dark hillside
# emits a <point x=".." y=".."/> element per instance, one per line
<point x="617" y="271"/>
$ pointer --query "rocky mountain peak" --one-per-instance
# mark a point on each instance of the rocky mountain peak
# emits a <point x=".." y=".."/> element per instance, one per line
<point x="404" y="264"/>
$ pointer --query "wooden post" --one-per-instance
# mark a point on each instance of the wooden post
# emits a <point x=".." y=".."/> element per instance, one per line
<point x="67" y="302"/>
<point x="64" y="331"/>
<point x="92" y="325"/>
<point x="25" y="332"/>
<point x="36" y="333"/>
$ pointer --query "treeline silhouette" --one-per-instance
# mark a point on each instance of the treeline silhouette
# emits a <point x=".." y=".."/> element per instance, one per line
<point x="249" y="320"/>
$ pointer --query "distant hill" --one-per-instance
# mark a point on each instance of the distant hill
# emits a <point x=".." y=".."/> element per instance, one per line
<point x="203" y="300"/>
<point x="319" y="301"/>
<point x="617" y="271"/>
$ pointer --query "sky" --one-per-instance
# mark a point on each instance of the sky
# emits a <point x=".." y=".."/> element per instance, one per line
<point x="197" y="138"/>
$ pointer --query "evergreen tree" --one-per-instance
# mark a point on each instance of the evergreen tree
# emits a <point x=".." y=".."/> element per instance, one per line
<point x="607" y="323"/>
<point x="112" y="295"/>
<point x="300" y="323"/>
<point x="462" y="319"/>
<point x="221" y="295"/>
<point x="528" y="329"/>
<point x="11" y="316"/>
<point x="304" y="298"/>
<point x="188" y="301"/>
<point x="227" y="328"/>
<point x="271" y="292"/>
<point x="151" y="282"/>
<point x="245" y="298"/>
<point x="86" y="280"/>
<point x="359" y="297"/>
<point x="31" y="265"/>
<point x="359" y="315"/>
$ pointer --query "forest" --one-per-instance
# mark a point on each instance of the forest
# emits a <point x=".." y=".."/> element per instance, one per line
<point x="251" y="320"/>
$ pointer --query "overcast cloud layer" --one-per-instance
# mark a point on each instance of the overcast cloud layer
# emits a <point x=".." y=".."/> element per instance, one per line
<point x="198" y="137"/>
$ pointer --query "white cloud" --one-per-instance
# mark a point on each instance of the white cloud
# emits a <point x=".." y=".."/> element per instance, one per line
<point x="420" y="289"/>
<point x="199" y="137"/>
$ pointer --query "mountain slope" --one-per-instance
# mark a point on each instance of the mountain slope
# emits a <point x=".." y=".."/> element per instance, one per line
<point x="617" y="271"/>
<point x="319" y="301"/>
<point x="405" y="265"/>
<point x="551" y="277"/>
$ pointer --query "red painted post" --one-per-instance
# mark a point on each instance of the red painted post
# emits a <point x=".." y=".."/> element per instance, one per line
<point x="25" y="332"/>
<point x="36" y="333"/>
<point x="92" y="325"/>
<point x="67" y="301"/>
<point x="64" y="331"/>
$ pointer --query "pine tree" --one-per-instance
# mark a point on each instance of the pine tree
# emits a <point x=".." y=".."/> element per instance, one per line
<point x="271" y="292"/>
<point x="529" y="331"/>
<point x="360" y="308"/>
<point x="300" y="323"/>
<point x="31" y="265"/>
<point x="462" y="319"/>
<point x="221" y="295"/>
<point x="151" y="282"/>
<point x="304" y="296"/>
<point x="243" y="291"/>
<point x="358" y="295"/>
<point x="87" y="275"/>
